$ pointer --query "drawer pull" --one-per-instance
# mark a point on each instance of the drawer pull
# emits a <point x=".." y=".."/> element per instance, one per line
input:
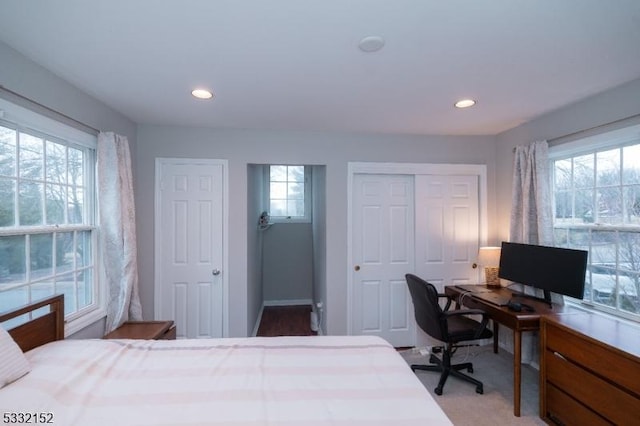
<point x="559" y="355"/>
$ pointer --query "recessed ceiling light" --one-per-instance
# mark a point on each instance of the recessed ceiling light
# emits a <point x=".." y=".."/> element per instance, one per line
<point x="202" y="94"/>
<point x="465" y="103"/>
<point x="371" y="44"/>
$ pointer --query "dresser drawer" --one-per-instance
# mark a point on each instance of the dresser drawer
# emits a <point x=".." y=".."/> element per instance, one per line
<point x="599" y="395"/>
<point x="594" y="356"/>
<point x="564" y="410"/>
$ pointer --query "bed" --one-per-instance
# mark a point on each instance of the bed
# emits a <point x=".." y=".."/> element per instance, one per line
<point x="328" y="380"/>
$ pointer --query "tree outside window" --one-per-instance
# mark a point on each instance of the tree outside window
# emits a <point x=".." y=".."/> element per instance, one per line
<point x="45" y="230"/>
<point x="597" y="208"/>
<point x="287" y="191"/>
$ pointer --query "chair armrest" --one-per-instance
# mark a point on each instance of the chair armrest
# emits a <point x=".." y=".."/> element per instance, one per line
<point x="481" y="325"/>
<point x="465" y="312"/>
<point x="449" y="300"/>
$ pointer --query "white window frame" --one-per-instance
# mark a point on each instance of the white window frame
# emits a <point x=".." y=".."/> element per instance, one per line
<point x="31" y="122"/>
<point x="307" y="196"/>
<point x="589" y="145"/>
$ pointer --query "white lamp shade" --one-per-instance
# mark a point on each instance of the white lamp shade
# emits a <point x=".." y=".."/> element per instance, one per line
<point x="489" y="256"/>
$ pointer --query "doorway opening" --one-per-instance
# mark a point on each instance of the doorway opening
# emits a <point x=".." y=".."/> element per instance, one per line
<point x="286" y="261"/>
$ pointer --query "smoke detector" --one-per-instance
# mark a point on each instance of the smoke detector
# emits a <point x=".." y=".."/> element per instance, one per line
<point x="371" y="44"/>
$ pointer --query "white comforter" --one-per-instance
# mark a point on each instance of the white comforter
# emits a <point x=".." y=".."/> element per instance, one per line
<point x="303" y="381"/>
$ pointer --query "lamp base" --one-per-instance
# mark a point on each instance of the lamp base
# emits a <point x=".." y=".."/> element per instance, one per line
<point x="491" y="277"/>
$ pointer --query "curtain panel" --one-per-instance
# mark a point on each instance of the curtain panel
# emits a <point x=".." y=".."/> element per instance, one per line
<point x="117" y="229"/>
<point x="531" y="215"/>
<point x="531" y="221"/>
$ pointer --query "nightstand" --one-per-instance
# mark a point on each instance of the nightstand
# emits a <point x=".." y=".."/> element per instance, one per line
<point x="147" y="330"/>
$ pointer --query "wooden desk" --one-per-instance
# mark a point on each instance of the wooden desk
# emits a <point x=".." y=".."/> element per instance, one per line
<point x="148" y="330"/>
<point x="516" y="321"/>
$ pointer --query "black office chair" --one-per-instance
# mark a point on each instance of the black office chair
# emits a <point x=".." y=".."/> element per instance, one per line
<point x="448" y="326"/>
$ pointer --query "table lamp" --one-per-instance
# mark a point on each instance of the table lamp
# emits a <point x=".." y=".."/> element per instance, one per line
<point x="489" y="257"/>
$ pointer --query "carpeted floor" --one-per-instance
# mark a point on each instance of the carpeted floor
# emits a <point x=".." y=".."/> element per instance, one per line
<point x="464" y="406"/>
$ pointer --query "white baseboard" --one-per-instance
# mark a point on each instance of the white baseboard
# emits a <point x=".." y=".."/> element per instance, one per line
<point x="290" y="302"/>
<point x="257" y="325"/>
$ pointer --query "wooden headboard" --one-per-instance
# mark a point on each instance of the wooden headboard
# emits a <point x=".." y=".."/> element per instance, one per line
<point x="43" y="329"/>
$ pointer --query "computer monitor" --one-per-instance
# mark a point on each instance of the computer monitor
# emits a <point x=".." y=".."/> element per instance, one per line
<point x="551" y="269"/>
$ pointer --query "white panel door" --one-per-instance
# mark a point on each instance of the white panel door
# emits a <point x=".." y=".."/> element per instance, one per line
<point x="189" y="247"/>
<point x="447" y="228"/>
<point x="383" y="252"/>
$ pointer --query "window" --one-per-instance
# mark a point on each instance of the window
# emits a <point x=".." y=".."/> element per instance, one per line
<point x="288" y="193"/>
<point x="47" y="218"/>
<point x="597" y="208"/>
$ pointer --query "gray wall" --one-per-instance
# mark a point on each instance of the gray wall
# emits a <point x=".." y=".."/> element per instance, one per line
<point x="319" y="230"/>
<point x="255" y="178"/>
<point x="244" y="147"/>
<point x="21" y="75"/>
<point x="287" y="263"/>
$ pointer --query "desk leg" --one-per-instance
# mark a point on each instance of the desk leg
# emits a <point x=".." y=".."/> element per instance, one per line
<point x="517" y="364"/>
<point x="496" y="330"/>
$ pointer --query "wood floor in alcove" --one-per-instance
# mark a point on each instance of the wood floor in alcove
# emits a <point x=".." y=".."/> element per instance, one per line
<point x="285" y="321"/>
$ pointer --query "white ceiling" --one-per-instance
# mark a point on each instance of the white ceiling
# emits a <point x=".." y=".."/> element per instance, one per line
<point x="295" y="64"/>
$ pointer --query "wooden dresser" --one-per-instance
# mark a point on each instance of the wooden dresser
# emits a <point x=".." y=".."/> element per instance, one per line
<point x="589" y="370"/>
<point x="150" y="330"/>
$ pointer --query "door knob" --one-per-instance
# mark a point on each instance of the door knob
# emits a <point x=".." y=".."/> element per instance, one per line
<point x="357" y="268"/>
<point x="216" y="272"/>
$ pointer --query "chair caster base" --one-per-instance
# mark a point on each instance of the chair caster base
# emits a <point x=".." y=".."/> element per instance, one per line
<point x="438" y="391"/>
<point x="479" y="390"/>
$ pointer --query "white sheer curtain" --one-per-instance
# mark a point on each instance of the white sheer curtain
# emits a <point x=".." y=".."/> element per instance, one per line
<point x="531" y="221"/>
<point x="118" y="229"/>
<point x="531" y="214"/>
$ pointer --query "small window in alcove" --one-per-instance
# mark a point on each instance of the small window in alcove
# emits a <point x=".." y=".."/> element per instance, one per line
<point x="288" y="193"/>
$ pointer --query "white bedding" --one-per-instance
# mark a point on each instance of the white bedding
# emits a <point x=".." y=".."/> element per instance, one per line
<point x="305" y="381"/>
